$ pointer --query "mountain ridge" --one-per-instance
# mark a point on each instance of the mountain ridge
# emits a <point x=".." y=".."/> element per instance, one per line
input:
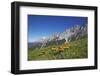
<point x="68" y="35"/>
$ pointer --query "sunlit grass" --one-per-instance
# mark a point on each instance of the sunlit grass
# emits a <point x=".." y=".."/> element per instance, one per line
<point x="73" y="50"/>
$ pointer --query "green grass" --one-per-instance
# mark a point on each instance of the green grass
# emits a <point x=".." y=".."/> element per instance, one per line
<point x="77" y="50"/>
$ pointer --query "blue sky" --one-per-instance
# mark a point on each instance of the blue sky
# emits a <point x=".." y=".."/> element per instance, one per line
<point x="40" y="26"/>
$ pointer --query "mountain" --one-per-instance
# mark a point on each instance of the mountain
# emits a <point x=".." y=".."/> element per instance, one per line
<point x="34" y="44"/>
<point x="73" y="33"/>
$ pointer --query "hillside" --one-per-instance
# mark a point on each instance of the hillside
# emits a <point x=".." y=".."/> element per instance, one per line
<point x="74" y="49"/>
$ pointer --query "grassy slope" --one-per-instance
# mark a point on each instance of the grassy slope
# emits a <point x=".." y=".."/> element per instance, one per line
<point x="78" y="49"/>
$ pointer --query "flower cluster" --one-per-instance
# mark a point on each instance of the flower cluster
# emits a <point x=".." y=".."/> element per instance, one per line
<point x="61" y="48"/>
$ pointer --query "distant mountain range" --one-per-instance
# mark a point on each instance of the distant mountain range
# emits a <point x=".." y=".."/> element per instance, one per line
<point x="68" y="35"/>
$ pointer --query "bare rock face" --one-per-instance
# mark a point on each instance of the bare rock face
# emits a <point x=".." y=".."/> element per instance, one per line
<point x="75" y="32"/>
